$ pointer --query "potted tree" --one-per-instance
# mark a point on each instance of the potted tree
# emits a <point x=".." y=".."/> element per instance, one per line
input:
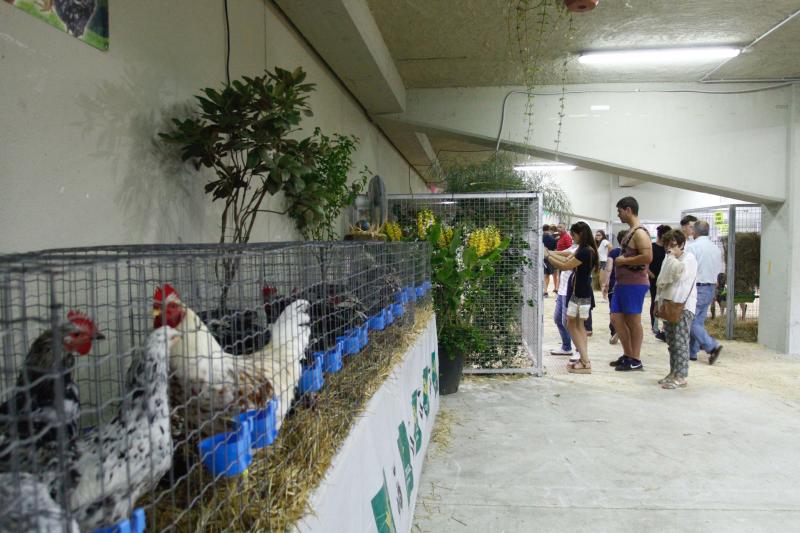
<point x="247" y="133"/>
<point x="460" y="266"/>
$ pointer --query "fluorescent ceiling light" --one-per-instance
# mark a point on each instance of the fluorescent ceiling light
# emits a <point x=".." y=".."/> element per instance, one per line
<point x="659" y="56"/>
<point x="544" y="167"/>
<point x="600" y="107"/>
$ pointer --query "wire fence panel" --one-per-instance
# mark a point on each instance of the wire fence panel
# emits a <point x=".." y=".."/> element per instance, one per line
<point x="509" y="312"/>
<point x="737" y="317"/>
<point x="194" y="387"/>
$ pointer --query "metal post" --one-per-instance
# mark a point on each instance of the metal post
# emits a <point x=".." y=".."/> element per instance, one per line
<point x="731" y="272"/>
<point x="537" y="266"/>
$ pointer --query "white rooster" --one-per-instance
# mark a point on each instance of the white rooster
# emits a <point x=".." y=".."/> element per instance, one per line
<point x="210" y="382"/>
<point x="126" y="457"/>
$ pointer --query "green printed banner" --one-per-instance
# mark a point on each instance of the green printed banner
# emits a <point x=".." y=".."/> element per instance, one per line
<point x="371" y="484"/>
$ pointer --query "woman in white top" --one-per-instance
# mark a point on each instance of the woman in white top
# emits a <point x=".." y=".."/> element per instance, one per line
<point x="676" y="282"/>
<point x="603" y="247"/>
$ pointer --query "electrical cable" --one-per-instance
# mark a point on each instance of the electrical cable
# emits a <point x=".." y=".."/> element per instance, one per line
<point x="228" y="45"/>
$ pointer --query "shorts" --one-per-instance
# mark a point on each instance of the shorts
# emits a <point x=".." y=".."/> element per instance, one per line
<point x="548" y="268"/>
<point x="628" y="299"/>
<point x="579" y="307"/>
<point x="603" y="265"/>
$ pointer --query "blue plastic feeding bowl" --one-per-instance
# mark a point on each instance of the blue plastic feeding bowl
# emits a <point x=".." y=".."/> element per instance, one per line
<point x="262" y="425"/>
<point x="378" y="322"/>
<point x="136" y="524"/>
<point x="398" y="310"/>
<point x="411" y="294"/>
<point x="420" y="291"/>
<point x="333" y="359"/>
<point x="363" y="335"/>
<point x="401" y="297"/>
<point x="389" y="315"/>
<point x="350" y="343"/>
<point x="312" y="380"/>
<point x="427" y="285"/>
<point x="227" y="454"/>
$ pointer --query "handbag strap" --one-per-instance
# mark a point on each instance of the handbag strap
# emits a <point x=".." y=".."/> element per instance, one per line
<point x="691" y="287"/>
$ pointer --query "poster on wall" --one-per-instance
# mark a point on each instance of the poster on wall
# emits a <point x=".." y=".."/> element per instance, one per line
<point x="85" y="19"/>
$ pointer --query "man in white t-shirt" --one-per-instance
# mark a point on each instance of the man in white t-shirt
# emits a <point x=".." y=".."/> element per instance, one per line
<point x="560" y="313"/>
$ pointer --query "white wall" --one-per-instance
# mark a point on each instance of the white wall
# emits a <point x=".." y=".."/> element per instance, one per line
<point x="80" y="163"/>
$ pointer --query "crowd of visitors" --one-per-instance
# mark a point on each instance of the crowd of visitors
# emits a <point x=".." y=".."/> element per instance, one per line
<point x="680" y="270"/>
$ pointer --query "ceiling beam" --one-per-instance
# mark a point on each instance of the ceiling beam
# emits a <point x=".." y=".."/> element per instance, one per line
<point x="344" y="33"/>
<point x="582" y="161"/>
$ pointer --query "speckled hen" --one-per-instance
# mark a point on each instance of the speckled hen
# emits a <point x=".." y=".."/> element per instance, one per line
<point x="126" y="457"/>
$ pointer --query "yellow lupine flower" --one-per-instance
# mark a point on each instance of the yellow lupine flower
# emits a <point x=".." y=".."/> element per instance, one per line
<point x="445" y="237"/>
<point x="425" y="220"/>
<point x="484" y="240"/>
<point x="393" y="231"/>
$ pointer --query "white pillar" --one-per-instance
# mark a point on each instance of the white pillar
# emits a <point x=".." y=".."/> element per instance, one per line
<point x="779" y="309"/>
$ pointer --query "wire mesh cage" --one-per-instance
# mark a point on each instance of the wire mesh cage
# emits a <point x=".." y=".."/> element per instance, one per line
<point x="142" y="382"/>
<point x="735" y="317"/>
<point x="509" y="314"/>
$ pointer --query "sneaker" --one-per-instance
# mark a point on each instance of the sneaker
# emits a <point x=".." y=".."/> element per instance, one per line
<point x="560" y="351"/>
<point x="661" y="336"/>
<point x="614" y="339"/>
<point x="546" y="295"/>
<point x="714" y="355"/>
<point x="618" y="361"/>
<point x="629" y="364"/>
<point x="575" y="358"/>
<point x="692" y="358"/>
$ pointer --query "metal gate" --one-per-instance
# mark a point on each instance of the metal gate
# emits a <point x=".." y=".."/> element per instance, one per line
<point x="742" y="258"/>
<point x="511" y="310"/>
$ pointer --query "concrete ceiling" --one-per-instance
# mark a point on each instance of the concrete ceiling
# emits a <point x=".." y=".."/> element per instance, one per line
<point x="468" y="43"/>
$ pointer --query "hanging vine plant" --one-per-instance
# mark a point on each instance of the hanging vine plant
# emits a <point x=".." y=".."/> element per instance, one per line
<point x="532" y="23"/>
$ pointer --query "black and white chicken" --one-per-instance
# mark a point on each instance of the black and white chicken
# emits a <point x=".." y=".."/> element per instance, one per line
<point x="33" y="416"/>
<point x="126" y="457"/>
<point x="333" y="310"/>
<point x="26" y="505"/>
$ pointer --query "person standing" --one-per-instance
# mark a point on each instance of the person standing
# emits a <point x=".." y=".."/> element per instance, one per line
<point x="560" y="313"/>
<point x="549" y="242"/>
<point x="687" y="227"/>
<point x="608" y="290"/>
<point x="655" y="268"/>
<point x="603" y="248"/>
<point x="564" y="239"/>
<point x="676" y="282"/>
<point x="582" y="262"/>
<point x="632" y="284"/>
<point x="709" y="265"/>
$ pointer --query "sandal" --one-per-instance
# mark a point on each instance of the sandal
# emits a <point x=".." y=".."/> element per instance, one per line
<point x="668" y="377"/>
<point x="673" y="384"/>
<point x="579" y="367"/>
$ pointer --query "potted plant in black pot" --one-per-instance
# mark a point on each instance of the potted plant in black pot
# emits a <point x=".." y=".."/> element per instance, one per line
<point x="460" y="266"/>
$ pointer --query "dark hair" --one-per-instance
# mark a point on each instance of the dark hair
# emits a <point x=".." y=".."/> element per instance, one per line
<point x="629" y="202"/>
<point x="586" y="238"/>
<point x="662" y="230"/>
<point x="674" y="236"/>
<point x="688" y="219"/>
<point x="546" y="227"/>
<point x="621" y="235"/>
<point x="602" y="234"/>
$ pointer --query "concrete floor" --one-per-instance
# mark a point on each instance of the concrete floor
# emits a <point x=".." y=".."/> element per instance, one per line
<point x="612" y="451"/>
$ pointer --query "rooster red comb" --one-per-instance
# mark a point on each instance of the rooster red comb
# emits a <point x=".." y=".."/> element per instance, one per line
<point x="82" y="321"/>
<point x="162" y="294"/>
<point x="269" y="292"/>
